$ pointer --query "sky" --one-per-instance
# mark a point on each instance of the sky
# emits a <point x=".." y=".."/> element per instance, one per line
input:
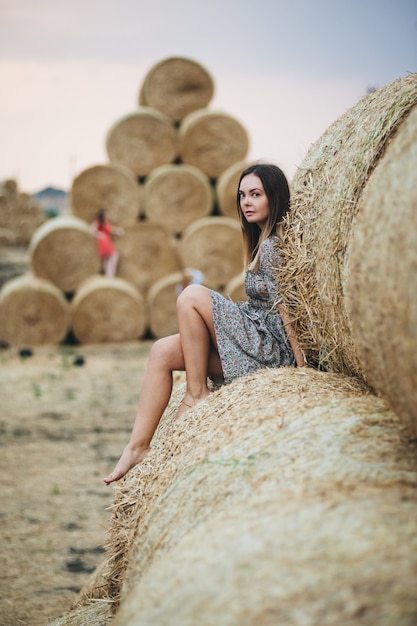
<point x="285" y="69"/>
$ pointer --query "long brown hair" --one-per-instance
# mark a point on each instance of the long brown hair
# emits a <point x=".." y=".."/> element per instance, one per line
<point x="277" y="191"/>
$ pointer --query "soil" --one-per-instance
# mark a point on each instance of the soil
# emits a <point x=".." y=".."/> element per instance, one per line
<point x="66" y="414"/>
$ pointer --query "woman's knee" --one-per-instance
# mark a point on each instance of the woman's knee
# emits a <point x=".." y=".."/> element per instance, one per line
<point x="165" y="350"/>
<point x="193" y="295"/>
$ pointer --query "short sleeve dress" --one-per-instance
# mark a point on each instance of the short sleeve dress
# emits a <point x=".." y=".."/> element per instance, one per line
<point x="250" y="335"/>
<point x="104" y="242"/>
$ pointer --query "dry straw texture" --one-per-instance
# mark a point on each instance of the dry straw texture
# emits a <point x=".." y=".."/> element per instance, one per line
<point x="176" y="196"/>
<point x="111" y="187"/>
<point x="226" y="189"/>
<point x="325" y="193"/>
<point x="142" y="141"/>
<point x="213" y="245"/>
<point x="33" y="312"/>
<point x="287" y="497"/>
<point x="177" y="86"/>
<point x="381" y="285"/>
<point x="212" y="141"/>
<point x="147" y="254"/>
<point x="107" y="310"/>
<point x="64" y="251"/>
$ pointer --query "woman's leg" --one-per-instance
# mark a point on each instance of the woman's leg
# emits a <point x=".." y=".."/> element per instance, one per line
<point x="166" y="356"/>
<point x="198" y="342"/>
<point x="110" y="264"/>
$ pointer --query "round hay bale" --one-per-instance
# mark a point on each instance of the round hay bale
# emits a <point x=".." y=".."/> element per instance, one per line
<point x="176" y="196"/>
<point x="278" y="471"/>
<point x="177" y="86"/>
<point x="226" y="189"/>
<point x="7" y="237"/>
<point x="381" y="283"/>
<point x="5" y="210"/>
<point x="325" y="192"/>
<point x="212" y="141"/>
<point x="33" y="312"/>
<point x="142" y="141"/>
<point x="162" y="306"/>
<point x="26" y="217"/>
<point x="64" y="251"/>
<point x="235" y="288"/>
<point x="147" y="253"/>
<point x="111" y="187"/>
<point x="106" y="310"/>
<point x="213" y="245"/>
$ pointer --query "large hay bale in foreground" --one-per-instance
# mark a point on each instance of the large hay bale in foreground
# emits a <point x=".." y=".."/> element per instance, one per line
<point x="111" y="187"/>
<point x="176" y="196"/>
<point x="287" y="497"/>
<point x="64" y="251"/>
<point x="142" y="141"/>
<point x="106" y="310"/>
<point x="177" y="86"/>
<point x="381" y="284"/>
<point x="33" y="312"/>
<point x="325" y="192"/>
<point x="226" y="189"/>
<point x="212" y="141"/>
<point x="147" y="253"/>
<point x="213" y="245"/>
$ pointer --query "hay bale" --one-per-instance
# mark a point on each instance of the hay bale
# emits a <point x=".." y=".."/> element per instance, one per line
<point x="213" y="245"/>
<point x="235" y="288"/>
<point x="212" y="141"/>
<point x="177" y="86"/>
<point x="7" y="237"/>
<point x="272" y="475"/>
<point x="142" y="141"/>
<point x="176" y="196"/>
<point x="106" y="310"/>
<point x="111" y="187"/>
<point x="226" y="189"/>
<point x="5" y="210"/>
<point x="33" y="312"/>
<point x="64" y="251"/>
<point x="321" y="223"/>
<point x="25" y="218"/>
<point x="381" y="282"/>
<point x="162" y="306"/>
<point x="147" y="253"/>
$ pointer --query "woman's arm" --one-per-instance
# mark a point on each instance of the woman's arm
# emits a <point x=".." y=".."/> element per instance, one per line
<point x="298" y="353"/>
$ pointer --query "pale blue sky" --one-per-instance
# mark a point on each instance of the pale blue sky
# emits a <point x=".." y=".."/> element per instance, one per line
<point x="285" y="69"/>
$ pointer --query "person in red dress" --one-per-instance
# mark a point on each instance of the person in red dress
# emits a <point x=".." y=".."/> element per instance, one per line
<point x="107" y="251"/>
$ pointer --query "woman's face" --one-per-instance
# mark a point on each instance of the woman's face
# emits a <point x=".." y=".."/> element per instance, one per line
<point x="253" y="200"/>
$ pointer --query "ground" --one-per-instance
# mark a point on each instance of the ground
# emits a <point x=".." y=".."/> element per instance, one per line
<point x="62" y="428"/>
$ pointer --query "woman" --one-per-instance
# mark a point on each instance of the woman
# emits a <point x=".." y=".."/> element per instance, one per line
<point x="108" y="254"/>
<point x="217" y="338"/>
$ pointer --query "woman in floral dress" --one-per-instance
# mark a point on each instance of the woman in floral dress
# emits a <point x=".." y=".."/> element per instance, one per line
<point x="217" y="338"/>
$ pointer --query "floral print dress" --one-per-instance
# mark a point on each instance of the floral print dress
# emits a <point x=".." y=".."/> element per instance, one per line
<point x="250" y="335"/>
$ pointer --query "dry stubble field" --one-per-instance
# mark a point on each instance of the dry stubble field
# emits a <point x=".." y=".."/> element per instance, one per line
<point x="62" y="427"/>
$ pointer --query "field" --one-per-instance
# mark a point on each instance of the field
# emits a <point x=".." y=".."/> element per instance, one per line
<point x="62" y="427"/>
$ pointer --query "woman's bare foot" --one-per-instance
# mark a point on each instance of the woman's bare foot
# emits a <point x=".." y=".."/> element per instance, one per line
<point x="130" y="457"/>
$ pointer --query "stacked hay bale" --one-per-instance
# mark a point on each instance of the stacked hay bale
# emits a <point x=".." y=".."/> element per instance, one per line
<point x="19" y="215"/>
<point x="287" y="497"/>
<point x="350" y="259"/>
<point x="290" y="496"/>
<point x="161" y="185"/>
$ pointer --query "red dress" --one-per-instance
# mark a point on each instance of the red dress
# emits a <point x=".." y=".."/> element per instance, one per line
<point x="104" y="241"/>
